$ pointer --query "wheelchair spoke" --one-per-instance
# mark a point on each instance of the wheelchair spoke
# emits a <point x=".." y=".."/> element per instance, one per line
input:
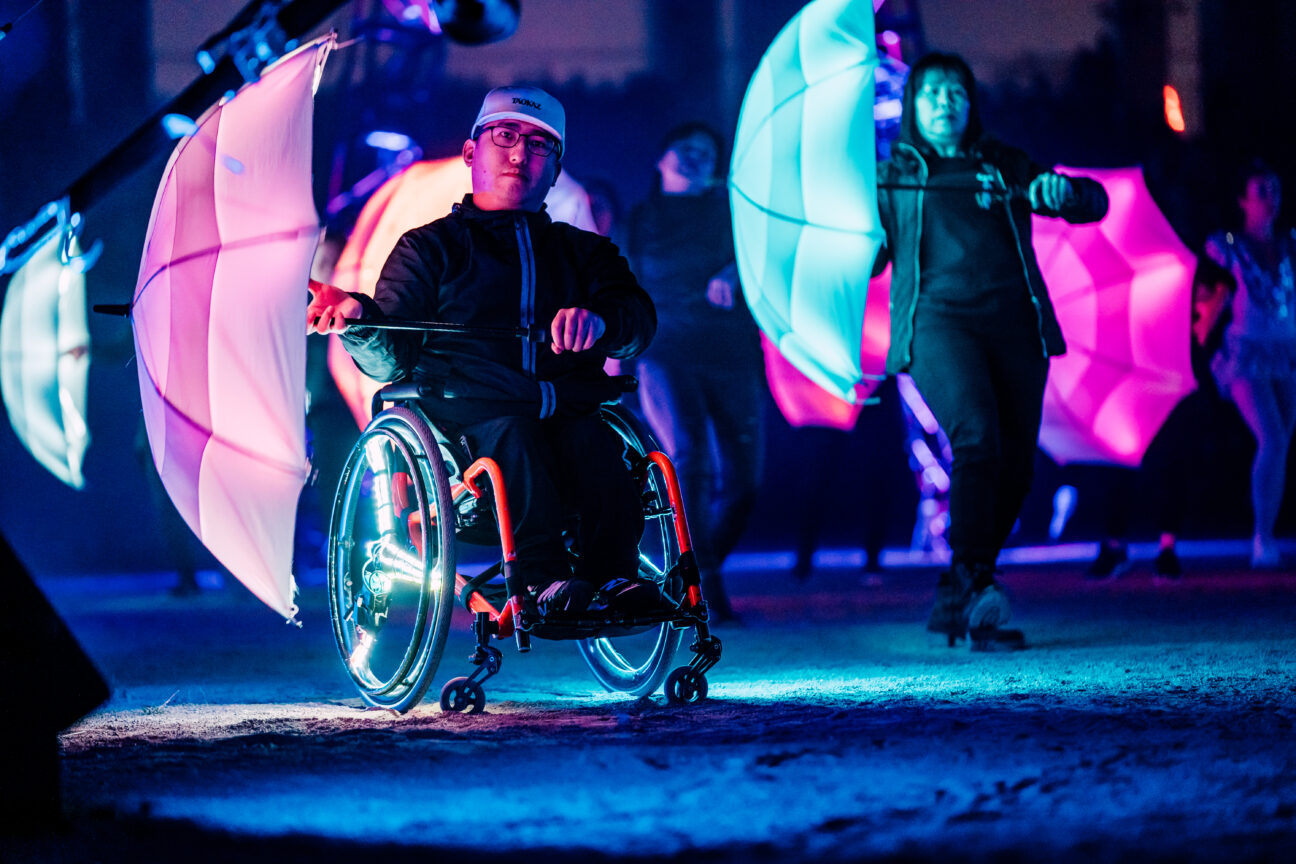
<point x="400" y="565"/>
<point x="359" y="660"/>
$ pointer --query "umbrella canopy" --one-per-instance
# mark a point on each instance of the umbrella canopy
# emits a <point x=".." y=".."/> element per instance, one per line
<point x="802" y="187"/>
<point x="803" y="402"/>
<point x="45" y="358"/>
<point x="217" y="322"/>
<point x="1122" y="290"/>
<point x="421" y="193"/>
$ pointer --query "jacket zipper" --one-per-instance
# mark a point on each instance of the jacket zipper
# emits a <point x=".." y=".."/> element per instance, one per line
<point x="526" y="257"/>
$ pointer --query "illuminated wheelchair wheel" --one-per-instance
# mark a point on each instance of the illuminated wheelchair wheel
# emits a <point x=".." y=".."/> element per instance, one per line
<point x="392" y="560"/>
<point x="638" y="664"/>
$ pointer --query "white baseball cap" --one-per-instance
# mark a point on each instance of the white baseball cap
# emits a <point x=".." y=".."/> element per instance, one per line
<point x="530" y="104"/>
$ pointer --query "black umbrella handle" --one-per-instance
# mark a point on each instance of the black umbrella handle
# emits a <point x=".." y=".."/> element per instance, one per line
<point x="530" y="334"/>
<point x="999" y="194"/>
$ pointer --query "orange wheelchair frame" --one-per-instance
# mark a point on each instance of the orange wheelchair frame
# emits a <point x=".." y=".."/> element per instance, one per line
<point x="396" y="524"/>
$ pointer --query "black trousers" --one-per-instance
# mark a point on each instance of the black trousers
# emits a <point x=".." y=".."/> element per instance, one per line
<point x="711" y="421"/>
<point x="555" y="471"/>
<point x="983" y="378"/>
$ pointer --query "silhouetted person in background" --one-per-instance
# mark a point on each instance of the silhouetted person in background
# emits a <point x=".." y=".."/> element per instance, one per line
<point x="701" y="383"/>
<point x="971" y="320"/>
<point x="1172" y="466"/>
<point x="1256" y="367"/>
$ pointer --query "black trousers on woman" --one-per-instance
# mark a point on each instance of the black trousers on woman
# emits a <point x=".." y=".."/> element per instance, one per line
<point x="983" y="378"/>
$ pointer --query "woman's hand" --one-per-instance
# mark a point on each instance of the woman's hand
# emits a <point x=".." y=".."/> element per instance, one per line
<point x="329" y="308"/>
<point x="1051" y="191"/>
<point x="575" y="329"/>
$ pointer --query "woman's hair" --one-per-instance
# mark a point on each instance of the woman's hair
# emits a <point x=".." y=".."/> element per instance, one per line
<point x="950" y="64"/>
<point x="1249" y="168"/>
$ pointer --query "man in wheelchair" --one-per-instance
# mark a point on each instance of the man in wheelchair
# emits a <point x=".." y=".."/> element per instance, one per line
<point x="499" y="261"/>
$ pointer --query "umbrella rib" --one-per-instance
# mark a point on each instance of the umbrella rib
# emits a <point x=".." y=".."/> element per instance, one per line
<point x="287" y="234"/>
<point x="279" y="465"/>
<point x="774" y="214"/>
<point x="774" y="110"/>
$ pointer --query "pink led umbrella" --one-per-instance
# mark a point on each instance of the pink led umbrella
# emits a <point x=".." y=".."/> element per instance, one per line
<point x="1122" y="290"/>
<point x="421" y="193"/>
<point x="217" y="322"/>
<point x="802" y="402"/>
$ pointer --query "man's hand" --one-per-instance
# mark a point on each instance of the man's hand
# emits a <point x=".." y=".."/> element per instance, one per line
<point x="329" y="308"/>
<point x="1051" y="191"/>
<point x="720" y="292"/>
<point x="575" y="329"/>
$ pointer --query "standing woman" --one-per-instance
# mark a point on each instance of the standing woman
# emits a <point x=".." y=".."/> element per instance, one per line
<point x="1256" y="367"/>
<point x="701" y="384"/>
<point x="971" y="320"/>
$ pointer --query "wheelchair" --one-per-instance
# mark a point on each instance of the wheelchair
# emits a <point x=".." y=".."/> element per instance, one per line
<point x="408" y="495"/>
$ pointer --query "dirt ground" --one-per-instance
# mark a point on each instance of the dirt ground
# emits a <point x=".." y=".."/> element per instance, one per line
<point x="1145" y="722"/>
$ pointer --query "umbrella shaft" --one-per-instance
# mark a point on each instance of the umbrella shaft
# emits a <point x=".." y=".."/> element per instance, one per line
<point x="531" y="334"/>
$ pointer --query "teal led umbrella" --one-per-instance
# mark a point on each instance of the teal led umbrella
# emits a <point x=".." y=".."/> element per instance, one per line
<point x="803" y="191"/>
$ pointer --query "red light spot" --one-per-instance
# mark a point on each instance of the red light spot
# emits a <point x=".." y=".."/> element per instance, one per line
<point x="1173" y="109"/>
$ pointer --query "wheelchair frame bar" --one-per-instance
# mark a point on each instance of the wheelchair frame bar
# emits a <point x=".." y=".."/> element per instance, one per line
<point x="688" y="563"/>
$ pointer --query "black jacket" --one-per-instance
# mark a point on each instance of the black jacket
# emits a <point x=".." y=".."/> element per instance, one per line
<point x="901" y="213"/>
<point x="676" y="244"/>
<point x="500" y="269"/>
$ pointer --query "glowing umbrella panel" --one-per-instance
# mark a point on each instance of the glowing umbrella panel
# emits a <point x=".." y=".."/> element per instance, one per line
<point x="423" y="192"/>
<point x="45" y="360"/>
<point x="217" y="323"/>
<point x="1122" y="289"/>
<point x="803" y="402"/>
<point x="803" y="190"/>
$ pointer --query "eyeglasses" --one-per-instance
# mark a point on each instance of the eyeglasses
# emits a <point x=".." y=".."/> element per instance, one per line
<point x="507" y="137"/>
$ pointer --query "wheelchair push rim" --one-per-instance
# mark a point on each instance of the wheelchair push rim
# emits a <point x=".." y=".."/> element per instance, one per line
<point x="392" y="561"/>
<point x="638" y="664"/>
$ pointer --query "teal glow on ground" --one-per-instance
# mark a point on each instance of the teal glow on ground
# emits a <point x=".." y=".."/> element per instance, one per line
<point x="1145" y="722"/>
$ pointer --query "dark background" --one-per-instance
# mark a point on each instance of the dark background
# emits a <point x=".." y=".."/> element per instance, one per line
<point x="77" y="77"/>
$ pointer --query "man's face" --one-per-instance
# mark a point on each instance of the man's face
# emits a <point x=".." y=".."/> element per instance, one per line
<point x="689" y="164"/>
<point x="510" y="178"/>
<point x="942" y="104"/>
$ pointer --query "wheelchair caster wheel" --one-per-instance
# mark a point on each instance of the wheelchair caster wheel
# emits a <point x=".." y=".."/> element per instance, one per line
<point x="685" y="686"/>
<point x="463" y="695"/>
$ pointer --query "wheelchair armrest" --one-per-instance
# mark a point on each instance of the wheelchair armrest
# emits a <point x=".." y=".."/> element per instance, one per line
<point x="402" y="391"/>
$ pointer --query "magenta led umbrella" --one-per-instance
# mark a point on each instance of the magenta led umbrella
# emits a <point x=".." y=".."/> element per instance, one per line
<point x="1122" y="290"/>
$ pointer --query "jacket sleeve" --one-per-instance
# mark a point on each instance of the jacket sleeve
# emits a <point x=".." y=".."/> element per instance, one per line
<point x="616" y="297"/>
<point x="883" y="257"/>
<point x="404" y="290"/>
<point x="1088" y="203"/>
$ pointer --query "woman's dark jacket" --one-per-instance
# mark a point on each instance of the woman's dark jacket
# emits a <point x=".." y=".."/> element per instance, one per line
<point x="901" y="212"/>
<point x="500" y="269"/>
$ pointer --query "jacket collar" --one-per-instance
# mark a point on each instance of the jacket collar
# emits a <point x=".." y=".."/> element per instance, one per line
<point x="469" y="210"/>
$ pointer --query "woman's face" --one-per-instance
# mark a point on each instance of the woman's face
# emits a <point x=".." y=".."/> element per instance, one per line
<point x="942" y="105"/>
<point x="1262" y="200"/>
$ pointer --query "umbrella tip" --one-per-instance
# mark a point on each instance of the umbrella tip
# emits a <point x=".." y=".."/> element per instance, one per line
<point x="120" y="309"/>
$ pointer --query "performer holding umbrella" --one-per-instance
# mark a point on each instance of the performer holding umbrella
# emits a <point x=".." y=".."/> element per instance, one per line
<point x="971" y="319"/>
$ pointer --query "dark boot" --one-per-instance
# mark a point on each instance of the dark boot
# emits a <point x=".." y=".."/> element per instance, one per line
<point x="717" y="598"/>
<point x="953" y="591"/>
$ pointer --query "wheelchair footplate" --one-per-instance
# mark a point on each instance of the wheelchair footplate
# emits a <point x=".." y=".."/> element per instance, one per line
<point x="557" y="626"/>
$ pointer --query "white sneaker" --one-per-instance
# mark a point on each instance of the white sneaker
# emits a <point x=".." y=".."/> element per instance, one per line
<point x="989" y="608"/>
